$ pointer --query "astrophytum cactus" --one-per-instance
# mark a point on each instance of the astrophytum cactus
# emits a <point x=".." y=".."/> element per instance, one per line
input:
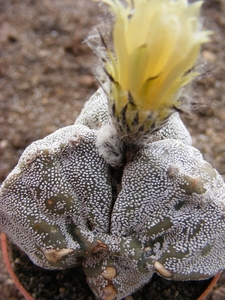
<point x="122" y="193"/>
<point x="65" y="206"/>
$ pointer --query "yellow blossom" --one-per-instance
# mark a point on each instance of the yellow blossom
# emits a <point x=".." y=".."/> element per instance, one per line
<point x="156" y="43"/>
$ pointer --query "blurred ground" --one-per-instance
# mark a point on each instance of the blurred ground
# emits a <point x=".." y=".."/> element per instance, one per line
<point x="46" y="76"/>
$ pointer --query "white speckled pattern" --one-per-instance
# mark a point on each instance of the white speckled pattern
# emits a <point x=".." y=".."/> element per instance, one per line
<point x="167" y="215"/>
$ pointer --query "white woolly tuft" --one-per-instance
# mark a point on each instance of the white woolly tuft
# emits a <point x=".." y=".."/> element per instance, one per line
<point x="110" y="145"/>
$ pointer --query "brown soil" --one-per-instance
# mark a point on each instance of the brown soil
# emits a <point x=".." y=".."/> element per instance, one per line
<point x="46" y="76"/>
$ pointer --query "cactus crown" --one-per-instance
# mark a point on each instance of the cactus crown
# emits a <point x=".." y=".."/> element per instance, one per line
<point x="155" y="46"/>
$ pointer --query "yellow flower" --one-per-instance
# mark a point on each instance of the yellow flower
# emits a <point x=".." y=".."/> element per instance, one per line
<point x="156" y="43"/>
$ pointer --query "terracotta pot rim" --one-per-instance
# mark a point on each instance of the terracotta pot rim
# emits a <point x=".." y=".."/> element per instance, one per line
<point x="10" y="269"/>
<point x="210" y="286"/>
<point x="4" y="242"/>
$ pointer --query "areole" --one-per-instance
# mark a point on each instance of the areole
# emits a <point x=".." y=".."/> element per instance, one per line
<point x="109" y="272"/>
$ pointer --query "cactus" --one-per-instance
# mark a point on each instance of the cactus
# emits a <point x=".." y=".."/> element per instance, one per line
<point x="65" y="206"/>
<point x="121" y="202"/>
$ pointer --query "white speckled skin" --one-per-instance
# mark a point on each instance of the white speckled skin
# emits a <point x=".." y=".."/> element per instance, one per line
<point x="167" y="214"/>
<point x="56" y="185"/>
<point x="95" y="111"/>
<point x="174" y="203"/>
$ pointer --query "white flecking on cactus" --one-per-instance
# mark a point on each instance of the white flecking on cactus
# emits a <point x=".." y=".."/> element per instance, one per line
<point x="122" y="192"/>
